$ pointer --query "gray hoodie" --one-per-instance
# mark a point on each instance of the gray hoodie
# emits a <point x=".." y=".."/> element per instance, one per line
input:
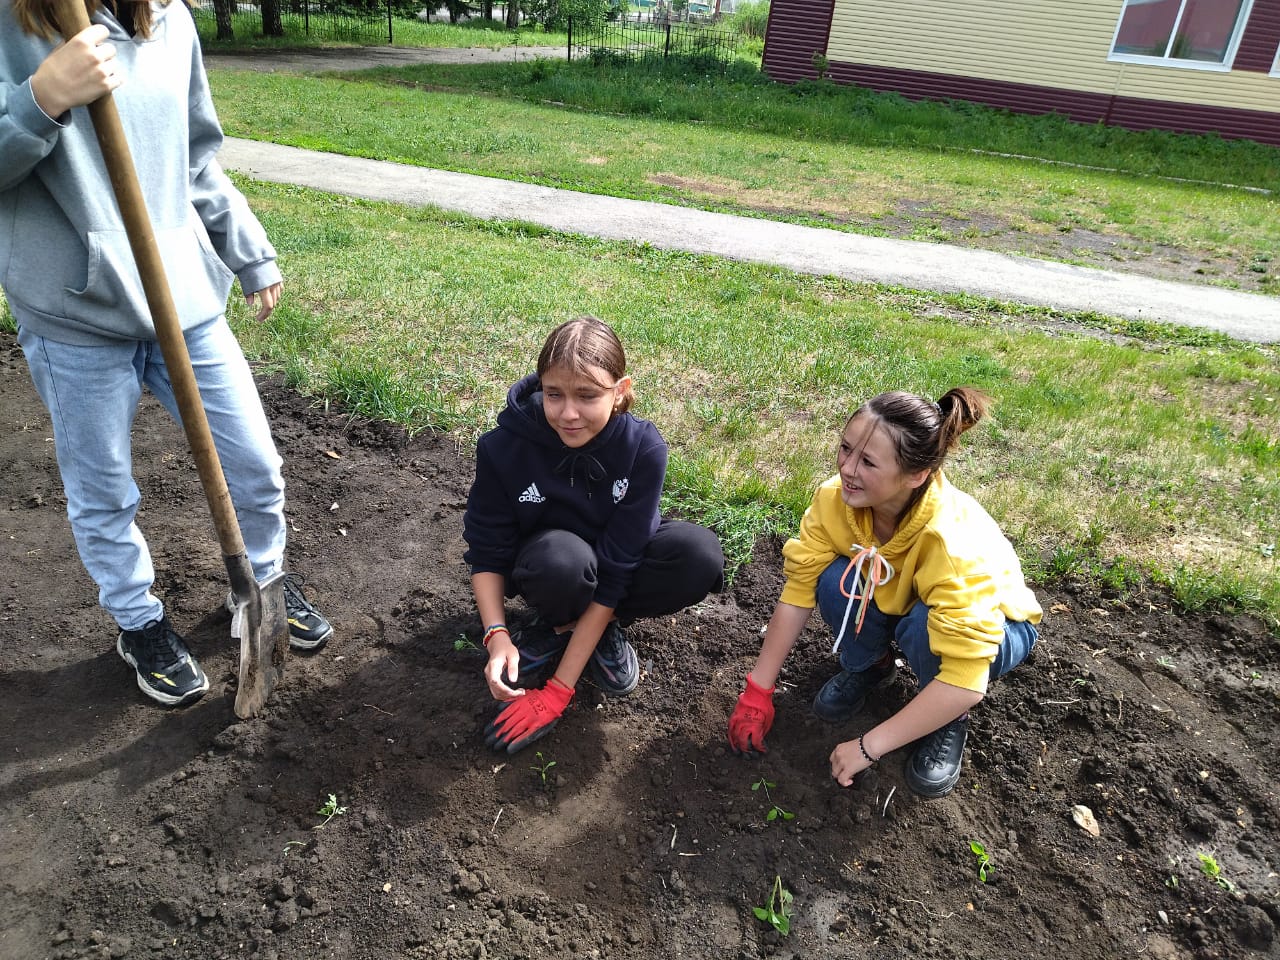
<point x="65" y="262"/>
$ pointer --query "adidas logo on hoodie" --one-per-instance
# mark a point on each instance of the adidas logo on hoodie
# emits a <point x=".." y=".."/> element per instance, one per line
<point x="531" y="495"/>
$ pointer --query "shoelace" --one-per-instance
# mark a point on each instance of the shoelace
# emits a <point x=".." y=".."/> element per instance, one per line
<point x="294" y="601"/>
<point x="879" y="573"/>
<point x="160" y="644"/>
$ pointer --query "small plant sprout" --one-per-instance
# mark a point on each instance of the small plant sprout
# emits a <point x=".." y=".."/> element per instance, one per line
<point x="778" y="913"/>
<point x="1210" y="868"/>
<point x="464" y="644"/>
<point x="1167" y="663"/>
<point x="542" y="767"/>
<point x="985" y="866"/>
<point x="775" y="811"/>
<point x="329" y="809"/>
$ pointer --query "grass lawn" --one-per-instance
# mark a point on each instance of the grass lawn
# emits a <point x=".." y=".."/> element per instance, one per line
<point x="337" y="32"/>
<point x="818" y="154"/>
<point x="1108" y="455"/>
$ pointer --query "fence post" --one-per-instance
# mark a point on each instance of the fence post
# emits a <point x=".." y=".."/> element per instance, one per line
<point x="666" y="50"/>
<point x="569" y="53"/>
<point x="390" y="34"/>
<point x="306" y="19"/>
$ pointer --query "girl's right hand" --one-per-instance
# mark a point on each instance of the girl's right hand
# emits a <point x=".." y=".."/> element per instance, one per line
<point x="80" y="71"/>
<point x="504" y="657"/>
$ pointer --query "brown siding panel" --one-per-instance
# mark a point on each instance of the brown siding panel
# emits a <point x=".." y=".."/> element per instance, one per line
<point x="797" y="30"/>
<point x="1261" y="38"/>
<point x="1130" y="112"/>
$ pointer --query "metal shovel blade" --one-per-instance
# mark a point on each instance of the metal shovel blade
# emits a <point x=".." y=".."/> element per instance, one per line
<point x="261" y="621"/>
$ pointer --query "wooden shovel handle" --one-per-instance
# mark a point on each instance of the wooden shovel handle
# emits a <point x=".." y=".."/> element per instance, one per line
<point x="73" y="18"/>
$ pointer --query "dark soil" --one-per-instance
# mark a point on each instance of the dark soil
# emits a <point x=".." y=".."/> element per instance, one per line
<point x="132" y="831"/>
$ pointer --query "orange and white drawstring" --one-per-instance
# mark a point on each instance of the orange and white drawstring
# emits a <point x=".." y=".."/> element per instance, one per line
<point x="879" y="573"/>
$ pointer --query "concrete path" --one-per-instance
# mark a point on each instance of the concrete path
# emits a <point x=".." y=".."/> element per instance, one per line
<point x="813" y="250"/>
<point x="320" y="60"/>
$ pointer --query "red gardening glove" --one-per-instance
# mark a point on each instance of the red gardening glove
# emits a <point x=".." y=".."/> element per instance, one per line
<point x="751" y="718"/>
<point x="528" y="718"/>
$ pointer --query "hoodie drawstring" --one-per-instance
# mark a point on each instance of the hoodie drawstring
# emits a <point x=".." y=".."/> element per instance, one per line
<point x="594" y="469"/>
<point x="880" y="573"/>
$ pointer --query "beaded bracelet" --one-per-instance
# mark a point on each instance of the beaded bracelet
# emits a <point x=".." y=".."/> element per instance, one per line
<point x="870" y="758"/>
<point x="490" y="632"/>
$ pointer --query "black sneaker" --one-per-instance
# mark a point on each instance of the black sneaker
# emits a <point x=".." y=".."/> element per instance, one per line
<point x="844" y="694"/>
<point x="539" y="645"/>
<point x="308" y="629"/>
<point x="614" y="666"/>
<point x="167" y="673"/>
<point x="933" y="768"/>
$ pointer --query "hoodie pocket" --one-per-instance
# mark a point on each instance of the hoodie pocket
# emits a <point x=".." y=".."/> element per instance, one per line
<point x="199" y="281"/>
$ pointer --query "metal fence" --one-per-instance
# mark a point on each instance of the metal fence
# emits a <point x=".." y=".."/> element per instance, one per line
<point x="654" y="35"/>
<point x="351" y="21"/>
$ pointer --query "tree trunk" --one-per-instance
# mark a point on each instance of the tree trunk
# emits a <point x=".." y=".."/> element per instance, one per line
<point x="513" y="14"/>
<point x="222" y="17"/>
<point x="271" y="23"/>
<point x="486" y="8"/>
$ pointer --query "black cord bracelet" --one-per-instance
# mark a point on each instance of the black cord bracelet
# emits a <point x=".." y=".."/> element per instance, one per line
<point x="870" y="758"/>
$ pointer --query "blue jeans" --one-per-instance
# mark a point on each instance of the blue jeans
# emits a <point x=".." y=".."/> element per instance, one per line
<point x="862" y="650"/>
<point x="92" y="394"/>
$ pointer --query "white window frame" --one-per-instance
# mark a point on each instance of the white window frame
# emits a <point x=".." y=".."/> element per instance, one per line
<point x="1233" y="45"/>
<point x="1275" y="67"/>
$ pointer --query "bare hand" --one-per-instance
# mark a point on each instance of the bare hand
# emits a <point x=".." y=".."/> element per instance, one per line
<point x="504" y="657"/>
<point x="267" y="299"/>
<point x="847" y="762"/>
<point x="80" y="71"/>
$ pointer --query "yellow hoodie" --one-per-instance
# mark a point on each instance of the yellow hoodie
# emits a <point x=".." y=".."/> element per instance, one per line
<point x="947" y="552"/>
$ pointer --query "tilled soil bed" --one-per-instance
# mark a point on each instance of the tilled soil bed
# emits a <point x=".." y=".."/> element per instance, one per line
<point x="131" y="831"/>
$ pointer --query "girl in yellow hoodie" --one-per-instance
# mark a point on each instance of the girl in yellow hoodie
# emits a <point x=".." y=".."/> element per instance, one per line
<point x="890" y="551"/>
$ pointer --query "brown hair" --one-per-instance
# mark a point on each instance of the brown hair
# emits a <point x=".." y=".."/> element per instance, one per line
<point x="925" y="431"/>
<point x="585" y="342"/>
<point x="37" y="16"/>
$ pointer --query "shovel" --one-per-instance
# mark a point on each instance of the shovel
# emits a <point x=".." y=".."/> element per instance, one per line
<point x="259" y="618"/>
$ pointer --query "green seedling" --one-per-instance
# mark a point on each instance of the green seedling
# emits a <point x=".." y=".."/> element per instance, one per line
<point x="329" y="809"/>
<point x="542" y="767"/>
<point x="464" y="644"/>
<point x="1167" y="663"/>
<point x="775" y="811"/>
<point x="1209" y="867"/>
<point x="778" y="913"/>
<point x="985" y="866"/>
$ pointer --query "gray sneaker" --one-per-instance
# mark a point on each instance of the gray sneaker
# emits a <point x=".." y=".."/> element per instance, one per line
<point x="614" y="666"/>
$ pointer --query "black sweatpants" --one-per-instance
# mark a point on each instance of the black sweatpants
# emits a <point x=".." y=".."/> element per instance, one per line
<point x="555" y="572"/>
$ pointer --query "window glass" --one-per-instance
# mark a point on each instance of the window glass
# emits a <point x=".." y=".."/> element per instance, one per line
<point x="1147" y="26"/>
<point x="1204" y="33"/>
<point x="1197" y="31"/>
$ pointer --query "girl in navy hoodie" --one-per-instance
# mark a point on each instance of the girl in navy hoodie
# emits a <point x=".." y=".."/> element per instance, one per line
<point x="564" y="513"/>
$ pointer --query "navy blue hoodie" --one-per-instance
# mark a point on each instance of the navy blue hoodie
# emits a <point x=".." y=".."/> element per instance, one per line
<point x="527" y="481"/>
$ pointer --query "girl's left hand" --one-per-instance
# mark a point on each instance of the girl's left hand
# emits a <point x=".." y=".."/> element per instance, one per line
<point x="267" y="299"/>
<point x="504" y="659"/>
<point x="847" y="762"/>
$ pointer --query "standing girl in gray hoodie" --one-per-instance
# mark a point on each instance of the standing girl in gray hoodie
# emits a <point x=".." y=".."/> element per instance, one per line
<point x="83" y="322"/>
